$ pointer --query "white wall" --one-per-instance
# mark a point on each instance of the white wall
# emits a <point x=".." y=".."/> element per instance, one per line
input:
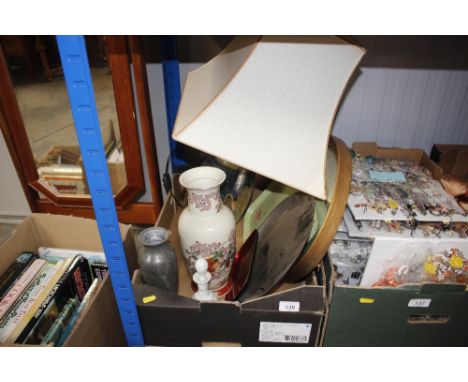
<point x="405" y="107"/>
<point x="13" y="203"/>
<point x="392" y="106"/>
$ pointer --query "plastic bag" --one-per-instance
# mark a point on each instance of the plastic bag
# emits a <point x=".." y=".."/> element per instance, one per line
<point x="418" y="264"/>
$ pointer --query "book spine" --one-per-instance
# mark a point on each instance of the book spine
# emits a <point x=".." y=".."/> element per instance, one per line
<point x="81" y="308"/>
<point x="63" y="287"/>
<point x="8" y="323"/>
<point x="100" y="270"/>
<point x="14" y="271"/>
<point x="59" y="286"/>
<point x="20" y="285"/>
<point x="59" y="324"/>
<point x="82" y="278"/>
<point x="60" y="293"/>
<point x="97" y="260"/>
<point x="32" y="305"/>
<point x="60" y="269"/>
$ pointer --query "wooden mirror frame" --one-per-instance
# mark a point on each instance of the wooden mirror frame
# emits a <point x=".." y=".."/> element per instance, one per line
<point x="121" y="52"/>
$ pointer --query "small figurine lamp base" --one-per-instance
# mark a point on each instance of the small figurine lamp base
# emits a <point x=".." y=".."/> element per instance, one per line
<point x="202" y="278"/>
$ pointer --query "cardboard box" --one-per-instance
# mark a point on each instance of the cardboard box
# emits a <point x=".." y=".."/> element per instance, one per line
<point x="71" y="155"/>
<point x="100" y="325"/>
<point x="417" y="155"/>
<point x="452" y="159"/>
<point x="410" y="315"/>
<point x="178" y="320"/>
<point x="356" y="201"/>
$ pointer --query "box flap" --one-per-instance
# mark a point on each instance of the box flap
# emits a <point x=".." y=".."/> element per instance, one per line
<point x="162" y="297"/>
<point x="388" y="317"/>
<point x="417" y="155"/>
<point x="365" y="148"/>
<point x="100" y="324"/>
<point x="23" y="238"/>
<point x="431" y="289"/>
<point x="310" y="298"/>
<point x="62" y="231"/>
<point x="453" y="161"/>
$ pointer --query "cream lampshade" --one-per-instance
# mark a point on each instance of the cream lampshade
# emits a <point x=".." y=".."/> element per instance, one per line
<point x="268" y="104"/>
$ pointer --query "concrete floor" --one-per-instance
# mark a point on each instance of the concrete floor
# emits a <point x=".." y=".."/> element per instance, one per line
<point x="46" y="111"/>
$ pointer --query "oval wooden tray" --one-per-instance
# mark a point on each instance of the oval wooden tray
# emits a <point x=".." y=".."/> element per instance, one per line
<point x="340" y="180"/>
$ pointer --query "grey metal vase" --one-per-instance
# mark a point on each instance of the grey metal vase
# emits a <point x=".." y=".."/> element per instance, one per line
<point x="236" y="191"/>
<point x="157" y="259"/>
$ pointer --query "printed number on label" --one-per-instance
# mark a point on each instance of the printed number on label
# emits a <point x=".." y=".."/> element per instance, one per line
<point x="289" y="306"/>
<point x="419" y="303"/>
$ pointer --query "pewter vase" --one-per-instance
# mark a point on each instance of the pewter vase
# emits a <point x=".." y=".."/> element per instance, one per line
<point x="157" y="259"/>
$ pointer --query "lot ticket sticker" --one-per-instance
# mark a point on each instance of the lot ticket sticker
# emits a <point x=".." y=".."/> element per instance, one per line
<point x="289" y="306"/>
<point x="284" y="332"/>
<point x="148" y="299"/>
<point x="419" y="303"/>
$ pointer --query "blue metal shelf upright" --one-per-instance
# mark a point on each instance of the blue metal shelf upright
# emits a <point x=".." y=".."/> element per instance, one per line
<point x="171" y="77"/>
<point x="83" y="105"/>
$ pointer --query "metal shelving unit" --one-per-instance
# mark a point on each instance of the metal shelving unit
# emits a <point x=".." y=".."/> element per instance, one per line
<point x="83" y="105"/>
<point x="171" y="77"/>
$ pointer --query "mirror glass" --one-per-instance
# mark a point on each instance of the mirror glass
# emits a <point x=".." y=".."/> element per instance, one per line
<point x="40" y="89"/>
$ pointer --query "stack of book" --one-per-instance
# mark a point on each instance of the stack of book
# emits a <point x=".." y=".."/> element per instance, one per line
<point x="41" y="297"/>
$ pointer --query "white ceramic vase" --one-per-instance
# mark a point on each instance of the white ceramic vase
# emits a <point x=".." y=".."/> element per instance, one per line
<point x="207" y="228"/>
